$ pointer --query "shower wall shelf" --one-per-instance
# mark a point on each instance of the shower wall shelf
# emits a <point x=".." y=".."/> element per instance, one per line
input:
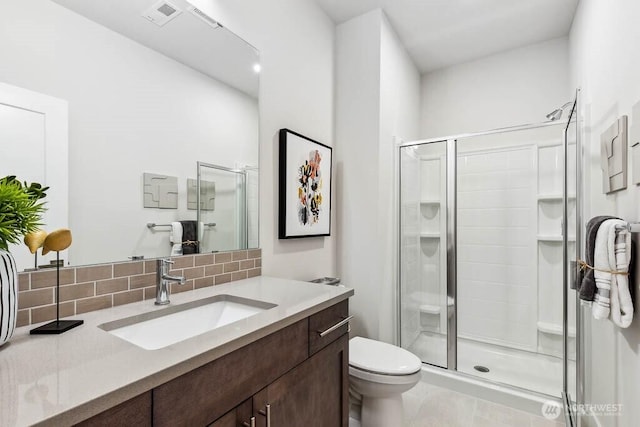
<point x="430" y="235"/>
<point x="432" y="225"/>
<point x="553" y="238"/>
<point x="552" y="328"/>
<point x="550" y="203"/>
<point x="553" y="197"/>
<point x="429" y="309"/>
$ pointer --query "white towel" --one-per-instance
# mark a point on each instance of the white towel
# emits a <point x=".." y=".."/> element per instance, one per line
<point x="601" y="301"/>
<point x="612" y="253"/>
<point x="176" y="238"/>
<point x="621" y="303"/>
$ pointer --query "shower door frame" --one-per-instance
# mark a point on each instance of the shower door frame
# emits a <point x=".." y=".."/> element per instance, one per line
<point x="451" y="248"/>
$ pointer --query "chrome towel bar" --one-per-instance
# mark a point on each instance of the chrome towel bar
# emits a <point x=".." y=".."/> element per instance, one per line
<point x="152" y="225"/>
<point x="631" y="227"/>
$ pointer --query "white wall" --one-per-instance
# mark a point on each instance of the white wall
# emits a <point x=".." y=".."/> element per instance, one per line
<point x="296" y="43"/>
<point x="357" y="136"/>
<point x="605" y="62"/>
<point x="506" y="89"/>
<point x="131" y="110"/>
<point x="399" y="117"/>
<point x="377" y="99"/>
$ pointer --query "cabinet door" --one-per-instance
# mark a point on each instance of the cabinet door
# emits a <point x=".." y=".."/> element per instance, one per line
<point x="314" y="394"/>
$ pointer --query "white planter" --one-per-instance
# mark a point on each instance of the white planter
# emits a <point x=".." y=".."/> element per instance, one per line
<point x="8" y="296"/>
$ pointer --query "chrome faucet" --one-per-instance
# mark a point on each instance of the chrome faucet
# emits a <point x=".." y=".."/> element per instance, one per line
<point x="163" y="281"/>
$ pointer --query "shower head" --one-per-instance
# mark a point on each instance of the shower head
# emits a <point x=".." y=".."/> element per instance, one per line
<point x="557" y="113"/>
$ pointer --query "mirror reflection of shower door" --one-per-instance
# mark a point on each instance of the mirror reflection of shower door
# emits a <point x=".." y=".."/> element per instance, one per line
<point x="423" y="246"/>
<point x="222" y="208"/>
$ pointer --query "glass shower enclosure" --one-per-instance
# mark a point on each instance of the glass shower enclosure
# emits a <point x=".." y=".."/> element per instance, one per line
<point x="488" y="232"/>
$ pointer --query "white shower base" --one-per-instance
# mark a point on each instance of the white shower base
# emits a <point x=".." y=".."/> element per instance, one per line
<point x="527" y="370"/>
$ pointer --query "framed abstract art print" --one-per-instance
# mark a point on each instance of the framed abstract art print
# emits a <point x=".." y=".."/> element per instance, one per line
<point x="305" y="187"/>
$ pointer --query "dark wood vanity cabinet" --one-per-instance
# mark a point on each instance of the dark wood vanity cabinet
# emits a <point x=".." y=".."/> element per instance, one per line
<point x="293" y="377"/>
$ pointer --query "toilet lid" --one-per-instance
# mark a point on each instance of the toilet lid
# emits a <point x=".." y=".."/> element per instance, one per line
<point x="380" y="357"/>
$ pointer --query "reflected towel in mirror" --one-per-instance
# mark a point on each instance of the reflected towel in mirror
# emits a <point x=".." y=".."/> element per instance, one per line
<point x="175" y="238"/>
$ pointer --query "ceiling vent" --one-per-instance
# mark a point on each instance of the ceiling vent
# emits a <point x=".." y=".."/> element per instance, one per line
<point x="161" y="13"/>
<point x="206" y="18"/>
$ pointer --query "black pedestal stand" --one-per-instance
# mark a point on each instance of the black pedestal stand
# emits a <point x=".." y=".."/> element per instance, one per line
<point x="57" y="326"/>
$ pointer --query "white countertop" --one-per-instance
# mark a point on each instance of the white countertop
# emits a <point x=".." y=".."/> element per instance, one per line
<point x="63" y="379"/>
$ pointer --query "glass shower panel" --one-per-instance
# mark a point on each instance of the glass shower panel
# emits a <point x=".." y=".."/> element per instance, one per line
<point x="423" y="280"/>
<point x="509" y="257"/>
<point x="223" y="212"/>
<point x="574" y="244"/>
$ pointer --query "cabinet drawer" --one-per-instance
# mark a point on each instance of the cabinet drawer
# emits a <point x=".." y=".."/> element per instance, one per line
<point x="205" y="394"/>
<point x="323" y="321"/>
<point x="134" y="412"/>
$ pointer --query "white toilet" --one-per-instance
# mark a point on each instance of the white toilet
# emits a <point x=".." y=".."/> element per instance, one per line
<point x="379" y="373"/>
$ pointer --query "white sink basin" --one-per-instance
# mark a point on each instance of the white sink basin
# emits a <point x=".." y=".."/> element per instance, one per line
<point x="173" y="324"/>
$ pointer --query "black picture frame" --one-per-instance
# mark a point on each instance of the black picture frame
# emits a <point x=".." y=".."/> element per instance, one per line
<point x="303" y="160"/>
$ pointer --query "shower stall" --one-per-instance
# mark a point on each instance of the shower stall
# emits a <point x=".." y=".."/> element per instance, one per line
<point x="226" y="200"/>
<point x="488" y="239"/>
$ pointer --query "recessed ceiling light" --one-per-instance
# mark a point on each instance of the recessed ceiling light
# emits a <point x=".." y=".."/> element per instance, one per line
<point x="257" y="68"/>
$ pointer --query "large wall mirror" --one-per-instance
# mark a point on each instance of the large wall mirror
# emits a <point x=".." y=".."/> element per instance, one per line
<point x="138" y="114"/>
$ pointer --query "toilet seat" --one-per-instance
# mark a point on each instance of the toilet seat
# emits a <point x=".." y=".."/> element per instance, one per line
<point x="384" y="378"/>
<point x="373" y="359"/>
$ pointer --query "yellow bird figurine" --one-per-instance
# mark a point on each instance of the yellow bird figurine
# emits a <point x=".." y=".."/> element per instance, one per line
<point x="58" y="240"/>
<point x="35" y="240"/>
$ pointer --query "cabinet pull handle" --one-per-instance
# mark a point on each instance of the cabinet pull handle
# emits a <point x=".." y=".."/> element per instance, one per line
<point x="252" y="424"/>
<point x="336" y="326"/>
<point x="266" y="413"/>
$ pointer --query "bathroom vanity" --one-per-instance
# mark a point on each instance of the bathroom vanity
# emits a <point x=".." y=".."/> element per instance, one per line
<point x="284" y="366"/>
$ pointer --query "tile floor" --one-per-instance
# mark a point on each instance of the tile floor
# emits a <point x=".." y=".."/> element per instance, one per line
<point x="429" y="406"/>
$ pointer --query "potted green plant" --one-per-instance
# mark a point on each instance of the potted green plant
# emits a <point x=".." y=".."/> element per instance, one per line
<point x="21" y="209"/>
